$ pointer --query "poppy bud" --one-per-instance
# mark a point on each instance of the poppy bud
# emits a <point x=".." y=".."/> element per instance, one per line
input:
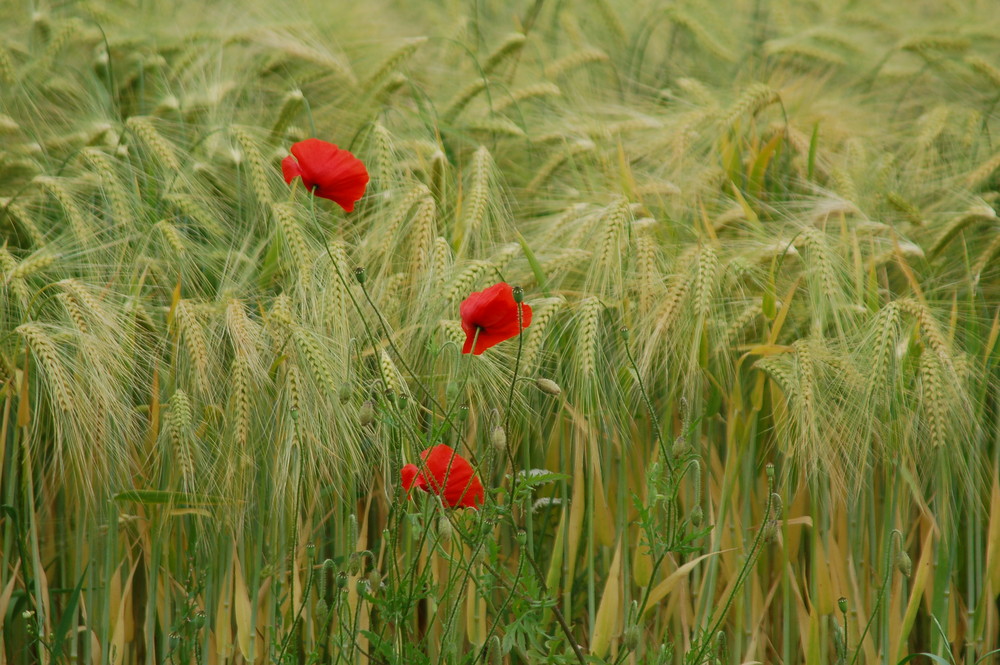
<point x="771" y="531"/>
<point x="354" y="564"/>
<point x="310" y="551"/>
<point x="769" y="469"/>
<point x="518" y="293"/>
<point x="360" y="275"/>
<point x="345" y="393"/>
<point x="199" y="620"/>
<point x="903" y="563"/>
<point x="842" y="604"/>
<point x="522" y="536"/>
<point x="342" y="580"/>
<point x="366" y="414"/>
<point x="494" y="651"/>
<point x="625" y="332"/>
<point x="374" y="581"/>
<point x="631" y="637"/>
<point x="463" y="413"/>
<point x="697" y="515"/>
<point x="548" y="386"/>
<point x="498" y="437"/>
<point x="321" y="607"/>
<point x="444" y="529"/>
<point x="838" y="642"/>
<point x="776" y="506"/>
<point x="680" y="447"/>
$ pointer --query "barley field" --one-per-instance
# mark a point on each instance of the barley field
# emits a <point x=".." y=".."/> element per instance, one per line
<point x="748" y="412"/>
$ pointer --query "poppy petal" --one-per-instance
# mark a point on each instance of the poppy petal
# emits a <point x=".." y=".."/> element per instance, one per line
<point x="493" y="313"/>
<point x="290" y="169"/>
<point x="409" y="474"/>
<point x="329" y="172"/>
<point x="452" y="477"/>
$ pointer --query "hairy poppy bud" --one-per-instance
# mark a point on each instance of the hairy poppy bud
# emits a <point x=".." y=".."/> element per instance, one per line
<point x="360" y="275"/>
<point x="625" y="332"/>
<point x="518" y="293"/>
<point x="903" y="563"/>
<point x="345" y="393"/>
<point x="631" y="637"/>
<point x="680" y="446"/>
<point x="444" y="529"/>
<point x="366" y="414"/>
<point x="463" y="413"/>
<point x="548" y="386"/>
<point x="522" y="536"/>
<point x="838" y="642"/>
<point x="498" y="437"/>
<point x="771" y="531"/>
<point x="354" y="564"/>
<point x="842" y="604"/>
<point x="697" y="515"/>
<point x="374" y="581"/>
<point x="341" y="580"/>
<point x="310" y="551"/>
<point x="769" y="469"/>
<point x="776" y="506"/>
<point x="494" y="651"/>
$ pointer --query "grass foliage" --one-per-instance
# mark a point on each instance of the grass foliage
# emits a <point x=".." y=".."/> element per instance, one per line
<point x="761" y="244"/>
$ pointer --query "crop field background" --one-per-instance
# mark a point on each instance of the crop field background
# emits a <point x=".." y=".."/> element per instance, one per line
<point x="754" y="417"/>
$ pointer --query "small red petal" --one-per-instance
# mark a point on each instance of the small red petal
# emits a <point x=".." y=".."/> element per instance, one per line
<point x="493" y="312"/>
<point x="331" y="173"/>
<point x="453" y="477"/>
<point x="290" y="169"/>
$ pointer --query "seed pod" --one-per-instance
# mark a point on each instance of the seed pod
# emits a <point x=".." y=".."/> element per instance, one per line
<point x="842" y="604"/>
<point x="342" y="580"/>
<point x="522" y="537"/>
<point x="548" y="386"/>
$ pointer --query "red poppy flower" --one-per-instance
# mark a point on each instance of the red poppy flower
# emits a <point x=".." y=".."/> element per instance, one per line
<point x="327" y="171"/>
<point x="493" y="313"/>
<point x="452" y="477"/>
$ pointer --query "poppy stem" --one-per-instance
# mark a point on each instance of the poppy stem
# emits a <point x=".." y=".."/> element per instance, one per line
<point x="409" y="371"/>
<point x="657" y="438"/>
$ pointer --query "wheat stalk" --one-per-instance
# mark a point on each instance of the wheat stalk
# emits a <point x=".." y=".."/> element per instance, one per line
<point x="144" y="129"/>
<point x="575" y="60"/>
<point x="190" y="330"/>
<point x="588" y="328"/>
<point x="533" y="91"/>
<point x="47" y="352"/>
<point x="113" y="187"/>
<point x="74" y="215"/>
<point x="284" y="214"/>
<point x="259" y="179"/>
<point x="508" y="48"/>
